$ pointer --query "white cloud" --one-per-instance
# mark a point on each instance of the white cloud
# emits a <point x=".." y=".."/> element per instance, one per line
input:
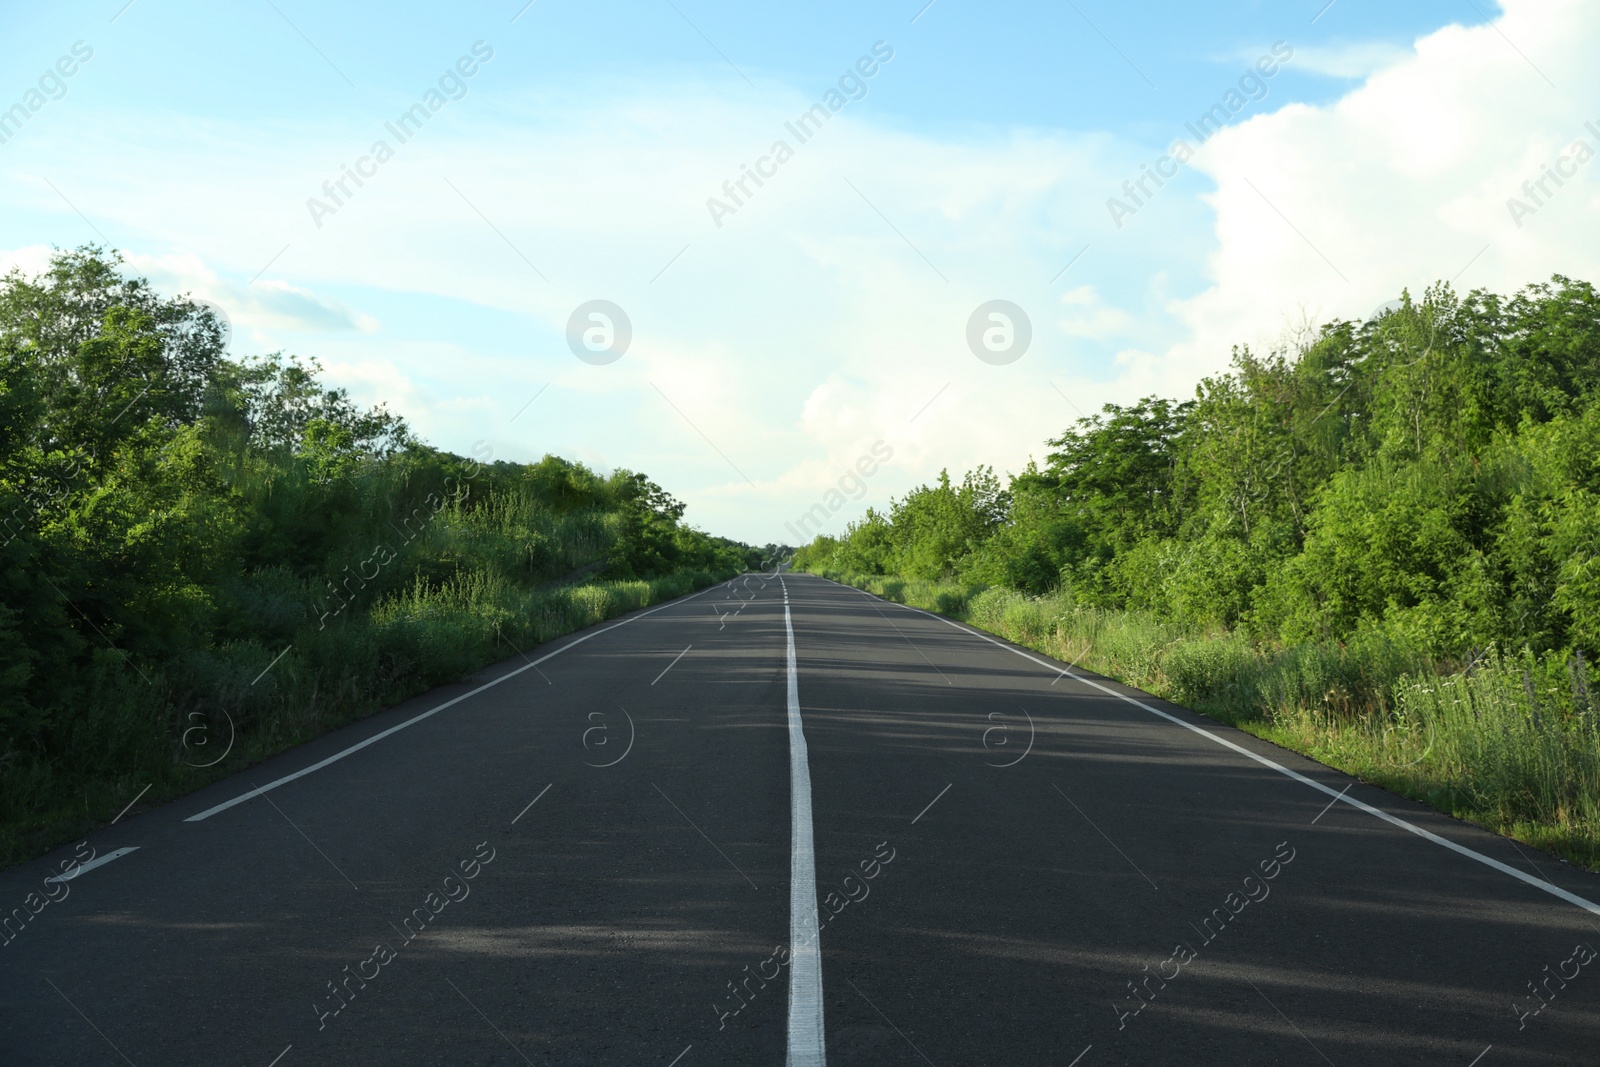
<point x="260" y="308"/>
<point x="30" y="260"/>
<point x="821" y="318"/>
<point x="1330" y="211"/>
<point x="818" y="319"/>
<point x="1348" y="59"/>
<point x="1089" y="316"/>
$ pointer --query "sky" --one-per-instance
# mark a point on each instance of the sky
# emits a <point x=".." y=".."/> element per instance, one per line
<point x="951" y="249"/>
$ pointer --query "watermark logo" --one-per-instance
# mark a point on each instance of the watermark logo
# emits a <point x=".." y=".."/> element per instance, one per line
<point x="852" y="85"/>
<point x="599" y="332"/>
<point x="197" y="738"/>
<point x="598" y="736"/>
<point x="1252" y="88"/>
<point x="853" y="482"/>
<point x="384" y="553"/>
<point x="451" y="85"/>
<point x="453" y="889"/>
<point x="52" y="85"/>
<point x="1255" y="889"/>
<point x="1582" y="956"/>
<point x="999" y="332"/>
<point x="833" y="904"/>
<point x="998" y="736"/>
<point x="1538" y="191"/>
<point x="13" y="923"/>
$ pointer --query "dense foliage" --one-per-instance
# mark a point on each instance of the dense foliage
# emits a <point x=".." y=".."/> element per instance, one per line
<point x="1433" y="473"/>
<point x="1381" y="549"/>
<point x="172" y="519"/>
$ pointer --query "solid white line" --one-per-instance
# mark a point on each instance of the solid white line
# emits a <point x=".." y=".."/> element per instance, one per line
<point x="1393" y="820"/>
<point x="805" y="955"/>
<point x="98" y="861"/>
<point x="669" y="666"/>
<point x="358" y="746"/>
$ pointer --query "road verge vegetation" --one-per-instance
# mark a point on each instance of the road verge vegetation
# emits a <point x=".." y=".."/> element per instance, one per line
<point x="205" y="560"/>
<point x="1379" y="546"/>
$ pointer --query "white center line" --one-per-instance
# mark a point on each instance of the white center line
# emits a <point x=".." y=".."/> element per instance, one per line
<point x="805" y="969"/>
<point x="92" y="864"/>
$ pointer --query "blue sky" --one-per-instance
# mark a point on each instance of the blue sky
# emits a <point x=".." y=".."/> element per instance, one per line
<point x="830" y="311"/>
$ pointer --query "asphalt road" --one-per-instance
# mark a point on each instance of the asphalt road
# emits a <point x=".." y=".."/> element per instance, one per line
<point x="596" y="853"/>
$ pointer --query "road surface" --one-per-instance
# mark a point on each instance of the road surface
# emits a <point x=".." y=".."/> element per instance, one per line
<point x="784" y="821"/>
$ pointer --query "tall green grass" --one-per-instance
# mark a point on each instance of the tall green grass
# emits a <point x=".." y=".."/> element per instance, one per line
<point x="474" y="587"/>
<point x="1510" y="742"/>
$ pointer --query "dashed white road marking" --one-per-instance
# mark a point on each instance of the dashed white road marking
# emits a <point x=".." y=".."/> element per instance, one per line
<point x="98" y="861"/>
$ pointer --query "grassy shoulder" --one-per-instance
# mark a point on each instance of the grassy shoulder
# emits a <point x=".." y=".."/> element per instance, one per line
<point x="208" y="559"/>
<point x="1503" y="742"/>
<point x="327" y="678"/>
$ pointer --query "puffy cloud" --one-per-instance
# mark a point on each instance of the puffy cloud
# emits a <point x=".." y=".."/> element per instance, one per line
<point x="1329" y="211"/>
<point x="830" y="310"/>
<point x="30" y="260"/>
<point x="261" y="307"/>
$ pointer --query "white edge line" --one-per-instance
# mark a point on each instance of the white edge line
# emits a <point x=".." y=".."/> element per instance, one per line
<point x="99" y="861"/>
<point x="805" y="1040"/>
<point x="1427" y="835"/>
<point x="358" y="746"/>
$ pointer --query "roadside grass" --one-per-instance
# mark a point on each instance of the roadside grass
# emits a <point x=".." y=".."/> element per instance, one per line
<point x="159" y="733"/>
<point x="1508" y="741"/>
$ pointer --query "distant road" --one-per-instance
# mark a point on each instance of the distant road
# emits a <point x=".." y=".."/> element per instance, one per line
<point x="604" y="852"/>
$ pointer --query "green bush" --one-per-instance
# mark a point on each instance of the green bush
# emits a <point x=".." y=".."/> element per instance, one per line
<point x="173" y="523"/>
